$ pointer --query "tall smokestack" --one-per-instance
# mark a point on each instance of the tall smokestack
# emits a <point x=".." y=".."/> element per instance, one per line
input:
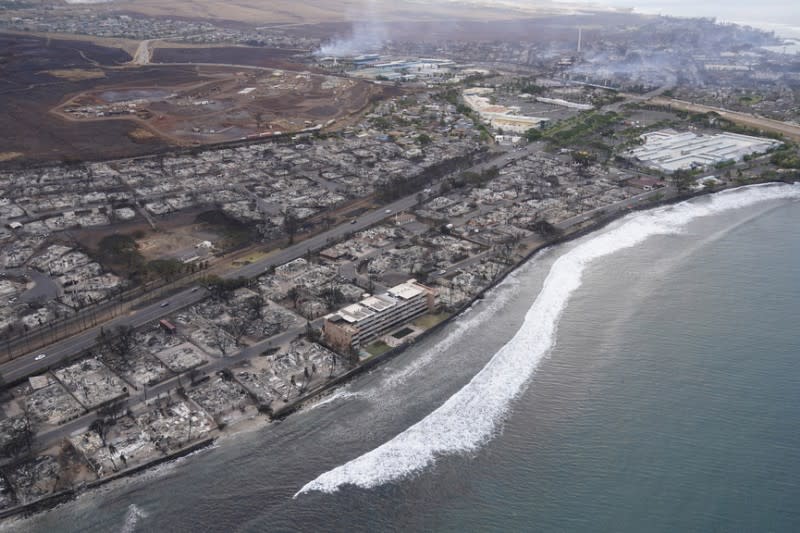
<point x="579" y="39"/>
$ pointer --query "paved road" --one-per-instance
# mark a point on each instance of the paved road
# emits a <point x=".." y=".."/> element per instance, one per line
<point x="55" y="353"/>
<point x="26" y="365"/>
<point x="138" y="398"/>
<point x="633" y="201"/>
<point x="143" y="53"/>
<point x="44" y="287"/>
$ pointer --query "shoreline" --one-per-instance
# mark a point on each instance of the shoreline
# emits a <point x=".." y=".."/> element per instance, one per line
<point x="314" y="396"/>
<point x="53" y="500"/>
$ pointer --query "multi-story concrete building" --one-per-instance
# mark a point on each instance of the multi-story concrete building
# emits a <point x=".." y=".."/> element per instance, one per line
<point x="357" y="324"/>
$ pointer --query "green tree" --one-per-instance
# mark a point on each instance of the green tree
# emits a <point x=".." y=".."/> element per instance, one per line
<point x="290" y="225"/>
<point x="166" y="269"/>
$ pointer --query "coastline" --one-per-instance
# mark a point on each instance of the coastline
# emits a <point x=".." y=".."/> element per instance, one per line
<point x="52" y="500"/>
<point x="589" y="226"/>
<point x="313" y="397"/>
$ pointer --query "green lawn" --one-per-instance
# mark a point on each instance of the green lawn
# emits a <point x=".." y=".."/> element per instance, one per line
<point x="377" y="348"/>
<point x="430" y="320"/>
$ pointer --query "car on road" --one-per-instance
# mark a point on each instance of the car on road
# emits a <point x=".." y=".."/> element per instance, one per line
<point x="40" y="357"/>
<point x="388" y="211"/>
<point x="164" y="304"/>
<point x="194" y="289"/>
<point x="353" y="221"/>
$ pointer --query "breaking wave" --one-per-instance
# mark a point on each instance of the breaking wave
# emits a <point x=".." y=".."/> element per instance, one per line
<point x="470" y="417"/>
<point x="132" y="518"/>
<point x="469" y="319"/>
<point x="338" y="395"/>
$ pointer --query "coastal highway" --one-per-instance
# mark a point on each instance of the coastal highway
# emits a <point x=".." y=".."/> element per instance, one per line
<point x="629" y="203"/>
<point x="138" y="398"/>
<point x="55" y="353"/>
<point x="27" y="365"/>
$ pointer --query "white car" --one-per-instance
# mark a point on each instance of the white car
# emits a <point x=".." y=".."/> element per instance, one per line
<point x="40" y="357"/>
<point x="388" y="211"/>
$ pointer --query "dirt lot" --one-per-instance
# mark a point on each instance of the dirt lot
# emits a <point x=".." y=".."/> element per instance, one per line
<point x="238" y="55"/>
<point x="316" y="11"/>
<point x="177" y="232"/>
<point x="28" y="90"/>
<point x="176" y="242"/>
<point x="172" y="104"/>
<point x="224" y="104"/>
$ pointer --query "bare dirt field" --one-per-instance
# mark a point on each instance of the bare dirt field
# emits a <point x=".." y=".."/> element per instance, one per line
<point x="316" y="11"/>
<point x="224" y="104"/>
<point x="127" y="45"/>
<point x="176" y="242"/>
<point x="172" y="104"/>
<point x="177" y="232"/>
<point x="28" y="90"/>
<point x="229" y="55"/>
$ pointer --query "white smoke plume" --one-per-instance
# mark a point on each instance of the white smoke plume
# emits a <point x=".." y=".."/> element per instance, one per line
<point x="368" y="35"/>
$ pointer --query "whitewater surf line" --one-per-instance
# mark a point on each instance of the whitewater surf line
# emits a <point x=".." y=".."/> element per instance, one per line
<point x="132" y="518"/>
<point x="470" y="417"/>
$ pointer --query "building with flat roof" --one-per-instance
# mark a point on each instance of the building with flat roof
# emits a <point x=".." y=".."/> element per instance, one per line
<point x="670" y="150"/>
<point x="355" y="325"/>
<point x="499" y="116"/>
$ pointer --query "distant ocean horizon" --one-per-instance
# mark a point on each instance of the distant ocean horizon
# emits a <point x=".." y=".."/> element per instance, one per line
<point x="779" y="16"/>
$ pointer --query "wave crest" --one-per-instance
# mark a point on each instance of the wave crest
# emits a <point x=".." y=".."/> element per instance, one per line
<point x="132" y="518"/>
<point x="471" y="416"/>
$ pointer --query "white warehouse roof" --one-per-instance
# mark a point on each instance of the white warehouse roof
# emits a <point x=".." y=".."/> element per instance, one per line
<point x="670" y="150"/>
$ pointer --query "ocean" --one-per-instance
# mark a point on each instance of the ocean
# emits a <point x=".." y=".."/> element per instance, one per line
<point x="642" y="378"/>
<point x="780" y="16"/>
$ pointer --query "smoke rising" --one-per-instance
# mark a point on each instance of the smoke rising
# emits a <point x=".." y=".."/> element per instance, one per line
<point x="369" y="32"/>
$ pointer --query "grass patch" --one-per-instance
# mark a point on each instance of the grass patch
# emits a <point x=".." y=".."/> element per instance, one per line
<point x="377" y="348"/>
<point x="142" y="135"/>
<point x="430" y="320"/>
<point x="578" y="129"/>
<point x="8" y="156"/>
<point x="256" y="256"/>
<point x="120" y="253"/>
<point x="77" y="74"/>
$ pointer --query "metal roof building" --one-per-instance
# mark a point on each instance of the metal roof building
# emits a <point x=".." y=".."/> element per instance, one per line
<point x="670" y="150"/>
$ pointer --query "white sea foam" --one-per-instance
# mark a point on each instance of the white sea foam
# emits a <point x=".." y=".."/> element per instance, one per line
<point x="338" y="395"/>
<point x="471" y="416"/>
<point x="462" y="326"/>
<point x="132" y="518"/>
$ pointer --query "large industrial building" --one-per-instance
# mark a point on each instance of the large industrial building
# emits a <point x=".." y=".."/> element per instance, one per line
<point x="499" y="116"/>
<point x="670" y="150"/>
<point x="357" y="324"/>
<point x="406" y="69"/>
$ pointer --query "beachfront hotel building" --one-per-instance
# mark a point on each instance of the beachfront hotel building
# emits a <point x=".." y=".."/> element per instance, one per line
<point x="355" y="325"/>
